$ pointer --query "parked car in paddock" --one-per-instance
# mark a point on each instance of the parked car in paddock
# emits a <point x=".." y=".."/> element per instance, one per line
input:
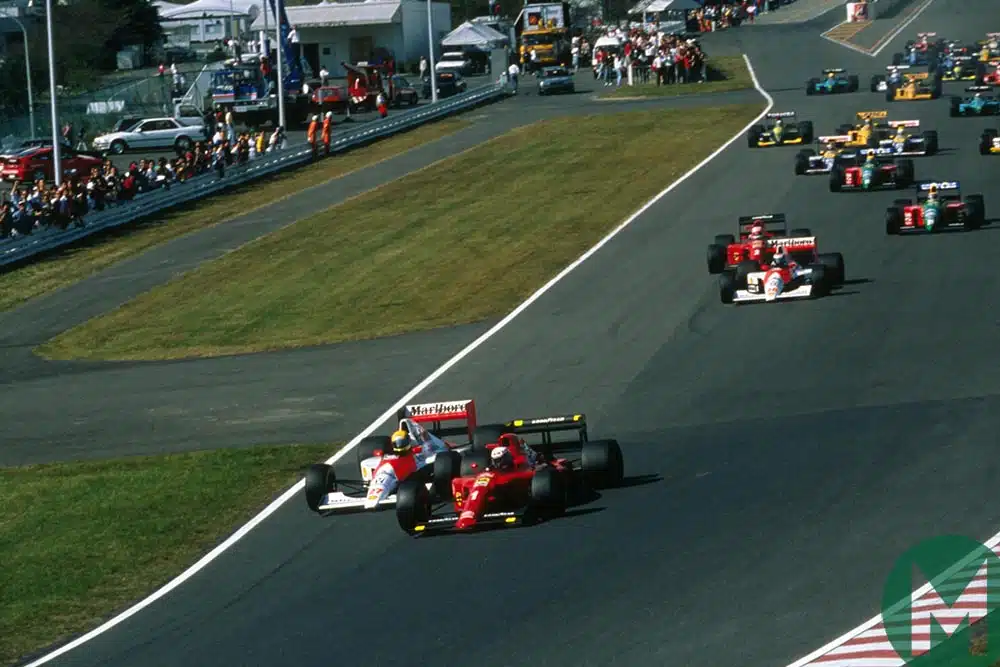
<point x="382" y="468"/>
<point x="162" y="133"/>
<point x="989" y="142"/>
<point x="780" y="128"/>
<point x="34" y="163"/>
<point x="758" y="238"/>
<point x="833" y="81"/>
<point x="878" y="170"/>
<point x="938" y="206"/>
<point x="555" y="80"/>
<point x="448" y="84"/>
<point x="976" y="105"/>
<point x="508" y="482"/>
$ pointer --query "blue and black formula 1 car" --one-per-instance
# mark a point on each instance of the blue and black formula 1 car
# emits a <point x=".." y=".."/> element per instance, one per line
<point x="977" y="105"/>
<point x="925" y="51"/>
<point x="833" y="81"/>
<point x="962" y="68"/>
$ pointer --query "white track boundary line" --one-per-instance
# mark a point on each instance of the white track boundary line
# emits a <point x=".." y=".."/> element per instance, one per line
<point x="388" y="414"/>
<point x="875" y="620"/>
<point x="884" y="41"/>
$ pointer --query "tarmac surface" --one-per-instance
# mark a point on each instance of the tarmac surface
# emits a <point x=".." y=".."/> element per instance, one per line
<point x="779" y="458"/>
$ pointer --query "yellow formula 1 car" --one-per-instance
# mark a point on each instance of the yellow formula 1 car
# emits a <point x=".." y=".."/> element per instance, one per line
<point x="870" y="128"/>
<point x="916" y="86"/>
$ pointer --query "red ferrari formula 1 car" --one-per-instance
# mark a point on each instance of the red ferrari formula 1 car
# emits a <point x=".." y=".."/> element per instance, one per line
<point x="507" y="481"/>
<point x="755" y="242"/>
<point x="939" y="206"/>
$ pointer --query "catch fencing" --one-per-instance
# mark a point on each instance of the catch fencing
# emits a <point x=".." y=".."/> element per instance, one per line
<point x="14" y="251"/>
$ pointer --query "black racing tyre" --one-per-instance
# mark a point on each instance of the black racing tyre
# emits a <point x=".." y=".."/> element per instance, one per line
<point x="876" y="80"/>
<point x="820" y="281"/>
<point x="602" y="463"/>
<point x="834" y="263"/>
<point x="811" y="86"/>
<point x="319" y="481"/>
<point x="488" y="434"/>
<point x="853" y="83"/>
<point x="904" y="173"/>
<point x="473" y="462"/>
<point x="977" y="209"/>
<point x="724" y="239"/>
<point x="549" y="493"/>
<point x="806" y="131"/>
<point x="800" y="231"/>
<point x="715" y="257"/>
<point x="956" y="104"/>
<point x="743" y="269"/>
<point x="836" y="179"/>
<point x="931" y="141"/>
<point x="727" y="287"/>
<point x="893" y="220"/>
<point x="413" y="505"/>
<point x="447" y="466"/>
<point x="897" y="59"/>
<point x="374" y="443"/>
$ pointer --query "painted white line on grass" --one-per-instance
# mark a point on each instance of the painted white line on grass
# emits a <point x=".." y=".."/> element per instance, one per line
<point x="872" y="622"/>
<point x="388" y="414"/>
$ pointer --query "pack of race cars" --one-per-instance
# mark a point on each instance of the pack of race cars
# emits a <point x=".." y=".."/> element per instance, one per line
<point x="764" y="261"/>
<point x="491" y="475"/>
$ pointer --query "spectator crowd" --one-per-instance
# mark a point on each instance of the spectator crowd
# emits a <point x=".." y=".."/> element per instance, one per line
<point x="40" y="206"/>
<point x="652" y="55"/>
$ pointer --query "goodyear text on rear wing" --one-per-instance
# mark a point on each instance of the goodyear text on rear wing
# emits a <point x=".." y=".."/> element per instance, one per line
<point x="545" y="427"/>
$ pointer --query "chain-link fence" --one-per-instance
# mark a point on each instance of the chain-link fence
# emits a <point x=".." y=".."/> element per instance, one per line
<point x="97" y="112"/>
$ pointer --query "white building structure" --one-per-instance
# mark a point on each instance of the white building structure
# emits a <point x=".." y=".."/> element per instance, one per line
<point x="329" y="33"/>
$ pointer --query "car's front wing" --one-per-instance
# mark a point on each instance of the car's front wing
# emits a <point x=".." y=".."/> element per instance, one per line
<point x="448" y="522"/>
<point x="746" y="296"/>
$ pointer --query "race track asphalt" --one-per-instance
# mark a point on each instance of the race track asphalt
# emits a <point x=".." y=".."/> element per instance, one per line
<point x="780" y="458"/>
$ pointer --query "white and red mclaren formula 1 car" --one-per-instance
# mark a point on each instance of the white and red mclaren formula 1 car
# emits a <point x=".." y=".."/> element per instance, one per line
<point x="382" y="470"/>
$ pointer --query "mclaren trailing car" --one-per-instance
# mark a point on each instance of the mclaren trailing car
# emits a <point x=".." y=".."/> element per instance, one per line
<point x="780" y="128"/>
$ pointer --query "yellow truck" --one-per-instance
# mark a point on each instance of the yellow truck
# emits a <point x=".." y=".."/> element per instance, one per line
<point x="544" y="29"/>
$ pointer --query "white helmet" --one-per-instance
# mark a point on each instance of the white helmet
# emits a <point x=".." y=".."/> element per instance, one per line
<point x="501" y="458"/>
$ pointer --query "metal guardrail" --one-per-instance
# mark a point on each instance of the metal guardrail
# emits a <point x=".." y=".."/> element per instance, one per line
<point x="23" y="248"/>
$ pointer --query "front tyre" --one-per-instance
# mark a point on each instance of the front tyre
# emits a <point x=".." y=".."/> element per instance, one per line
<point x="319" y="481"/>
<point x="413" y="505"/>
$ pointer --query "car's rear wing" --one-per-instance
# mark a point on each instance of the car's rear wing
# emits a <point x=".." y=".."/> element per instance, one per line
<point x="793" y="244"/>
<point x="834" y="139"/>
<point x="872" y="115"/>
<point x="978" y="89"/>
<point x="926" y="34"/>
<point x="896" y="68"/>
<point x="946" y="189"/>
<point x="834" y="70"/>
<point x="433" y="415"/>
<point x="770" y="222"/>
<point x="961" y="57"/>
<point x="545" y="427"/>
<point x="780" y="114"/>
<point x="903" y="123"/>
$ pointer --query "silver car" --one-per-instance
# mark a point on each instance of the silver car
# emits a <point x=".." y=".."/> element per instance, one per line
<point x="155" y="133"/>
<point x="555" y="80"/>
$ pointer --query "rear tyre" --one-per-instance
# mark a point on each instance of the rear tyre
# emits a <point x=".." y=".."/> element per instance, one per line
<point x="806" y="131"/>
<point x="904" y="173"/>
<point x="603" y="464"/>
<point x="834" y="264"/>
<point x="725" y="239"/>
<point x="447" y="466"/>
<point x="486" y="435"/>
<point x="320" y="480"/>
<point x="893" y="220"/>
<point x="836" y="179"/>
<point x="820" y="280"/>
<point x="931" y="141"/>
<point x="977" y="209"/>
<point x="716" y="259"/>
<point x="413" y="505"/>
<point x="956" y="107"/>
<point x="853" y="83"/>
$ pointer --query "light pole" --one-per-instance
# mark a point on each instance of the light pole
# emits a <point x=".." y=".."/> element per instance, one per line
<point x="27" y="67"/>
<point x="430" y="48"/>
<point x="56" y="152"/>
<point x="281" y="64"/>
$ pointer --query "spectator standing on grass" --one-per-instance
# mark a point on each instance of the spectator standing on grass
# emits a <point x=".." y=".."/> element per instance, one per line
<point x="513" y="72"/>
<point x="327" y="126"/>
<point x="311" y="135"/>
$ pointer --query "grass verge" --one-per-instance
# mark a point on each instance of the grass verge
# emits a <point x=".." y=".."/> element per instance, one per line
<point x="102" y="250"/>
<point x="81" y="540"/>
<point x="408" y="255"/>
<point x="725" y="74"/>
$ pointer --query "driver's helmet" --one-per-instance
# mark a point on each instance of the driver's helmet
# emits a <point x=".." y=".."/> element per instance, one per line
<point x="830" y="146"/>
<point x="777" y="122"/>
<point x="868" y="123"/>
<point x="501" y="458"/>
<point x="756" y="231"/>
<point x="780" y="259"/>
<point x="977" y="95"/>
<point x="829" y="75"/>
<point x="402" y="443"/>
<point x="870" y="157"/>
<point x="932" y="193"/>
<point x="900" y="132"/>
